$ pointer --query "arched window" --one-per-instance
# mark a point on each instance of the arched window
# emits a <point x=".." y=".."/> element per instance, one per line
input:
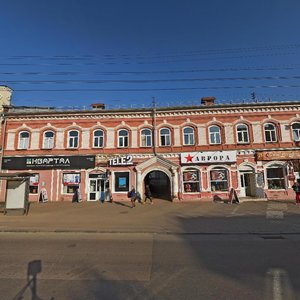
<point x="191" y="180"/>
<point x="98" y="139"/>
<point x="23" y="140"/>
<point x="214" y="135"/>
<point x="165" y="137"/>
<point x="296" y="132"/>
<point x="270" y="133"/>
<point x="146" y="138"/>
<point x="219" y="179"/>
<point x="242" y="132"/>
<point x="73" y="139"/>
<point x="123" y="138"/>
<point x="188" y="136"/>
<point x="276" y="177"/>
<point x="48" y="140"/>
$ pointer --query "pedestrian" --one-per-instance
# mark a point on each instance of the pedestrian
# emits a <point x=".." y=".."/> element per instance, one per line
<point x="76" y="196"/>
<point x="296" y="188"/>
<point x="132" y="194"/>
<point x="148" y="194"/>
<point x="138" y="197"/>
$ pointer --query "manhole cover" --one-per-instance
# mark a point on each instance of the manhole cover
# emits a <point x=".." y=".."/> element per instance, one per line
<point x="124" y="212"/>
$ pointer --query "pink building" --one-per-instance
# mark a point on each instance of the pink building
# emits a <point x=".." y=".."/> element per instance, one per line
<point x="184" y="153"/>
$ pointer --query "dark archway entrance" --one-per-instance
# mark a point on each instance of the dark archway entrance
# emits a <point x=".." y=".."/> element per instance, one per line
<point x="159" y="184"/>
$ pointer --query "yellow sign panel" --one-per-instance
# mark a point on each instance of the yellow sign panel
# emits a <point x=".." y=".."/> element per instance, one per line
<point x="278" y="155"/>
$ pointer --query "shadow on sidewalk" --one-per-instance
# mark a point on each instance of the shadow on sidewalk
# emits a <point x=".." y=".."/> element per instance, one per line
<point x="122" y="204"/>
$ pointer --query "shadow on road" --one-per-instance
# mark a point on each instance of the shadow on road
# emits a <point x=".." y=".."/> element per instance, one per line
<point x="33" y="269"/>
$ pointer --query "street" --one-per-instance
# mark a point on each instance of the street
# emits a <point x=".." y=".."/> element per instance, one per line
<point x="189" y="264"/>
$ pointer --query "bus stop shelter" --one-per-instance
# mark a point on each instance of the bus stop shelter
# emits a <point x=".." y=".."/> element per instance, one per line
<point x="16" y="191"/>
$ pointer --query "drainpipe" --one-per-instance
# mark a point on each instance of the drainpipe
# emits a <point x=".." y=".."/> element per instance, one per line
<point x="154" y="125"/>
<point x="3" y="130"/>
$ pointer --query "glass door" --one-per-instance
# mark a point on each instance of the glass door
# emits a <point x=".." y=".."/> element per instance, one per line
<point x="94" y="189"/>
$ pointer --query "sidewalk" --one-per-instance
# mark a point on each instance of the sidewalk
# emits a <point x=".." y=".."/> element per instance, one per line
<point x="162" y="217"/>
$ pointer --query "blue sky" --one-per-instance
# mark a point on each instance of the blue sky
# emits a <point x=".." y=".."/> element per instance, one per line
<point x="123" y="53"/>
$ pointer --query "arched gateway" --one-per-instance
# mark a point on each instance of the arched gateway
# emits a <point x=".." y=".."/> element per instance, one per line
<point x="161" y="175"/>
<point x="159" y="184"/>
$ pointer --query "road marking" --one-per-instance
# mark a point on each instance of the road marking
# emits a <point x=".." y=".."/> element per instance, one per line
<point x="276" y="210"/>
<point x="278" y="285"/>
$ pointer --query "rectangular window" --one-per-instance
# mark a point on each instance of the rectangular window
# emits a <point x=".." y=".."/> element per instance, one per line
<point x="191" y="181"/>
<point x="219" y="180"/>
<point x="34" y="183"/>
<point x="70" y="182"/>
<point x="275" y="178"/>
<point x="121" y="181"/>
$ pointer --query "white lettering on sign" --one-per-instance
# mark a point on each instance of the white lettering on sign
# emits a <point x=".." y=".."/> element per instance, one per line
<point x="208" y="157"/>
<point x="121" y="160"/>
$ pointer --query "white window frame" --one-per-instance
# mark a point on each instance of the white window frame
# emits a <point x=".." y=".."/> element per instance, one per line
<point x="166" y="136"/>
<point x="189" y="135"/>
<point x="270" y="134"/>
<point x="73" y="141"/>
<point x="282" y="179"/>
<point x="296" y="132"/>
<point x="242" y="134"/>
<point x="99" y="139"/>
<point x="123" y="140"/>
<point x="23" y="142"/>
<point x="146" y="138"/>
<point x="197" y="182"/>
<point x="214" y="136"/>
<point x="48" y="142"/>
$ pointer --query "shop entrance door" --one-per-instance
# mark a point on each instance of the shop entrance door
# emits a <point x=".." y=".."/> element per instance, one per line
<point x="247" y="184"/>
<point x="96" y="189"/>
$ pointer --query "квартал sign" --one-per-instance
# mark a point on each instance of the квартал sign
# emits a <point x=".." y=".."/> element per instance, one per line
<point x="48" y="162"/>
<point x="208" y="157"/>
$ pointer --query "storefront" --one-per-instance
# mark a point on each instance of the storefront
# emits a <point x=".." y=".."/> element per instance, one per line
<point x="281" y="169"/>
<point x="208" y="174"/>
<point x="53" y="177"/>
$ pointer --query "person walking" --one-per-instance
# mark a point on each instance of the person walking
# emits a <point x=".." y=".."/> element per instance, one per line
<point x="148" y="194"/>
<point x="296" y="188"/>
<point x="132" y="194"/>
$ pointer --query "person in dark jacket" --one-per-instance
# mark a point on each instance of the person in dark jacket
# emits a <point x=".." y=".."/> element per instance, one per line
<point x="296" y="188"/>
<point x="132" y="196"/>
<point x="148" y="194"/>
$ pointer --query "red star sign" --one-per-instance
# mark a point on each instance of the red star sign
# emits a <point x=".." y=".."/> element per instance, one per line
<point x="189" y="158"/>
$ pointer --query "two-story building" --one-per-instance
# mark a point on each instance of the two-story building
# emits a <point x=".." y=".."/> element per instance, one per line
<point x="193" y="153"/>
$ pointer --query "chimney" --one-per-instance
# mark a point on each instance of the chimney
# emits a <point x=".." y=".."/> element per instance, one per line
<point x="98" y="106"/>
<point x="208" y="101"/>
<point x="5" y="96"/>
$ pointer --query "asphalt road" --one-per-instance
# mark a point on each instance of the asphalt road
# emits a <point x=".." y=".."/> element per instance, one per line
<point x="149" y="266"/>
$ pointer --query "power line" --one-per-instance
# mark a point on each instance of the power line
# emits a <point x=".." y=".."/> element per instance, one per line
<point x="157" y="89"/>
<point x="93" y="81"/>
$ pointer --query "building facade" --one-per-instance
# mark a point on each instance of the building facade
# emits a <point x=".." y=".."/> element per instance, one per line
<point x="194" y="153"/>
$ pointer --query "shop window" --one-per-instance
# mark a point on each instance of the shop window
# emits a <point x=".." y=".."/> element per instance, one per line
<point x="214" y="135"/>
<point x="270" y="133"/>
<point x="73" y="138"/>
<point x="188" y="136"/>
<point x="276" y="177"/>
<point x="98" y="139"/>
<point x="242" y="133"/>
<point x="146" y="138"/>
<point x="23" y="140"/>
<point x="190" y="178"/>
<point x="219" y="179"/>
<point x="296" y="132"/>
<point x="48" y="140"/>
<point x="71" y="182"/>
<point x="34" y="184"/>
<point x="123" y="138"/>
<point x="121" y="181"/>
<point x="165" y="137"/>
